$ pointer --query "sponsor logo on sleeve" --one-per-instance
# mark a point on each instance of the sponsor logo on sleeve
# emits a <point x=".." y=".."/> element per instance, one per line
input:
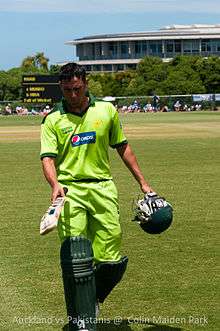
<point x="67" y="129"/>
<point x="83" y="138"/>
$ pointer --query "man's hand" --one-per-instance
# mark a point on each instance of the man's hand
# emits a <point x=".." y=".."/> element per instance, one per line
<point x="57" y="191"/>
<point x="145" y="188"/>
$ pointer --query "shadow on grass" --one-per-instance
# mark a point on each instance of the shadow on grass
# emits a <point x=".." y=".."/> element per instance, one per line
<point x="125" y="326"/>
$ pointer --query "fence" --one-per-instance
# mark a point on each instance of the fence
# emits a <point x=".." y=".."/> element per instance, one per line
<point x="206" y="101"/>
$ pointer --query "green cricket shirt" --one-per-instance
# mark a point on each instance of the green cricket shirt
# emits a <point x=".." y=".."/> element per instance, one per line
<point x="79" y="143"/>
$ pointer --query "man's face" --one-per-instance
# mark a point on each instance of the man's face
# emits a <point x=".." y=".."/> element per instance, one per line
<point x="74" y="91"/>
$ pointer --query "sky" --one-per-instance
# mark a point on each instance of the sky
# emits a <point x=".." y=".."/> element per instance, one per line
<point x="31" y="26"/>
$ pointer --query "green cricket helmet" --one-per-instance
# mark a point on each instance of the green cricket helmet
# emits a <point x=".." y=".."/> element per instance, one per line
<point x="153" y="213"/>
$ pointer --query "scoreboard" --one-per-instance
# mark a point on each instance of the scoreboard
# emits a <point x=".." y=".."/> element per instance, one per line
<point x="41" y="89"/>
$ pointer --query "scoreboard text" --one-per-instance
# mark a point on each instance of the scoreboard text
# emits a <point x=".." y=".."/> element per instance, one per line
<point x="41" y="89"/>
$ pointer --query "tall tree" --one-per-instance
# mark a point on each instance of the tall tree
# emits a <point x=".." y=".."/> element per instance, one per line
<point x="37" y="61"/>
<point x="41" y="61"/>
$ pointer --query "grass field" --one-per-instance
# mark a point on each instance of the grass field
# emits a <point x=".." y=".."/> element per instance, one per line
<point x="171" y="280"/>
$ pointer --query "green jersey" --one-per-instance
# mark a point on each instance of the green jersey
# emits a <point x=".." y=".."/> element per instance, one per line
<point x="79" y="143"/>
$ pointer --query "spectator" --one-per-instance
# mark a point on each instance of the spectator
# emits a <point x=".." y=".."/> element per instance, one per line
<point x="24" y="111"/>
<point x="124" y="109"/>
<point x="46" y="110"/>
<point x="164" y="109"/>
<point x="8" y="109"/>
<point x="148" y="108"/>
<point x="177" y="105"/>
<point x="134" y="107"/>
<point x="186" y="107"/>
<point x="18" y="110"/>
<point x="198" y="106"/>
<point x="156" y="100"/>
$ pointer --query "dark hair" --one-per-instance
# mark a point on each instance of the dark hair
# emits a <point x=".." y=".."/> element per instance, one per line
<point x="71" y="70"/>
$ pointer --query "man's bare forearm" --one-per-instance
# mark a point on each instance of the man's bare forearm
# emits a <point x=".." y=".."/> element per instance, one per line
<point x="49" y="171"/>
<point x="50" y="174"/>
<point x="130" y="161"/>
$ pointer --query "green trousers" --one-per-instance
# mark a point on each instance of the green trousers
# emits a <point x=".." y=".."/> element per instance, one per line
<point x="91" y="210"/>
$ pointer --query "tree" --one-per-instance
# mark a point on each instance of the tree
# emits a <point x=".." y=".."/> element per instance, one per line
<point x="36" y="62"/>
<point x="209" y="71"/>
<point x="3" y="85"/>
<point x="41" y="61"/>
<point x="54" y="69"/>
<point x="95" y="88"/>
<point x="147" y="66"/>
<point x="182" y="82"/>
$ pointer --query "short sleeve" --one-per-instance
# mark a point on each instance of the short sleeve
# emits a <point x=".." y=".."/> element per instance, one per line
<point x="117" y="136"/>
<point x="48" y="140"/>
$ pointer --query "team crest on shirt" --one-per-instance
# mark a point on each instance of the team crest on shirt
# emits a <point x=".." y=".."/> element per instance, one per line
<point x="97" y="123"/>
<point x="83" y="138"/>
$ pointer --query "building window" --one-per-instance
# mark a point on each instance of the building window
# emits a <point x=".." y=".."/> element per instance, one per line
<point x="124" y="49"/>
<point x="112" y="50"/>
<point x="131" y="66"/>
<point x="206" y="45"/>
<point x="218" y="45"/>
<point x="107" y="67"/>
<point x="144" y="47"/>
<point x="191" y="46"/>
<point x="210" y="45"/>
<point x="88" y="67"/>
<point x="97" y="67"/>
<point x="215" y="45"/>
<point x="98" y="51"/>
<point x="79" y="51"/>
<point x="119" y="67"/>
<point x="155" y="48"/>
<point x="138" y="47"/>
<point x="195" y="46"/>
<point x="169" y="46"/>
<point x="177" y="46"/>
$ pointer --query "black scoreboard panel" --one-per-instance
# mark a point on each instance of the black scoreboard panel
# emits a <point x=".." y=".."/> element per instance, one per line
<point x="41" y="89"/>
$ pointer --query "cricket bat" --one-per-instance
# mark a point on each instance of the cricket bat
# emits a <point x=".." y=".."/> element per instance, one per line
<point x="50" y="218"/>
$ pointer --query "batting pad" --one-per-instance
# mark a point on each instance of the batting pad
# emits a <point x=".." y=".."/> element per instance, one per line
<point x="76" y="257"/>
<point x="108" y="275"/>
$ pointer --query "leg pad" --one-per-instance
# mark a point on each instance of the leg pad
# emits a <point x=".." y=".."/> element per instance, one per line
<point x="107" y="275"/>
<point x="76" y="258"/>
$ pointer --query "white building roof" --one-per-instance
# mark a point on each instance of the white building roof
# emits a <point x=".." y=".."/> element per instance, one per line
<point x="193" y="31"/>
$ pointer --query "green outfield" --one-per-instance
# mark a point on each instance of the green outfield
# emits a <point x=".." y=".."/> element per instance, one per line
<point x="171" y="280"/>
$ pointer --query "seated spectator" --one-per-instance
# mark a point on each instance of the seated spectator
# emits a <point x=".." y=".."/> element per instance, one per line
<point x="135" y="106"/>
<point x="198" y="107"/>
<point x="148" y="108"/>
<point x="18" y="110"/>
<point x="34" y="112"/>
<point x="24" y="111"/>
<point x="177" y="105"/>
<point x="8" y="109"/>
<point x="164" y="109"/>
<point x="46" y="110"/>
<point x="186" y="107"/>
<point x="124" y="109"/>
